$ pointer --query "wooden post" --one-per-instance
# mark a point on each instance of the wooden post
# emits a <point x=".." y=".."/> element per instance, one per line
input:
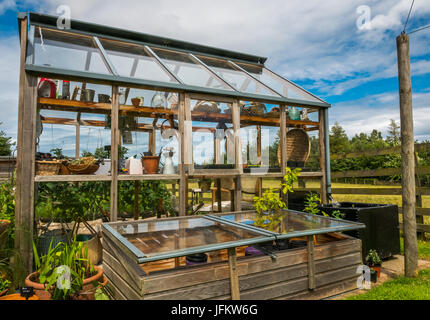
<point x="234" y="277"/>
<point x="323" y="159"/>
<point x="408" y="161"/>
<point x="115" y="137"/>
<point x="25" y="163"/>
<point x="311" y="262"/>
<point x="419" y="198"/>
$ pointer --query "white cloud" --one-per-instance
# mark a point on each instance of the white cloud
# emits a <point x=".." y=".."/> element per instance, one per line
<point x="7" y="5"/>
<point x="304" y="40"/>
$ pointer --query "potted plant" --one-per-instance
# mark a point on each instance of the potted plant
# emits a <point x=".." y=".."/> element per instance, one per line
<point x="269" y="206"/>
<point x="65" y="273"/>
<point x="374" y="261"/>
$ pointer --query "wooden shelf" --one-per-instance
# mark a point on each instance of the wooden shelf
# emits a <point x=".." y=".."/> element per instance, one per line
<point x="104" y="108"/>
<point x="73" y="178"/>
<point x="142" y="177"/>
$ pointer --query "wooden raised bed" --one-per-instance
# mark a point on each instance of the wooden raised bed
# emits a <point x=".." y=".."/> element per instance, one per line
<point x="260" y="278"/>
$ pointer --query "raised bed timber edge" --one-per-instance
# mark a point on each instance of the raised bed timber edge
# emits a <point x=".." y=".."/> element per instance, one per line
<point x="260" y="277"/>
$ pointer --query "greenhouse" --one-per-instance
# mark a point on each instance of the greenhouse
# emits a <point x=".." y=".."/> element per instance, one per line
<point x="185" y="135"/>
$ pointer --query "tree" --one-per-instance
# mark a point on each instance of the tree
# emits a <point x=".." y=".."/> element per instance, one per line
<point x="393" y="137"/>
<point x="339" y="141"/>
<point x="5" y="144"/>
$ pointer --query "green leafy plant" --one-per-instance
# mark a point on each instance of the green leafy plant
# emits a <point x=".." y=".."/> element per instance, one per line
<point x="290" y="177"/>
<point x="7" y="208"/>
<point x="4" y="284"/>
<point x="268" y="208"/>
<point x="311" y="204"/>
<point x="269" y="205"/>
<point x="101" y="294"/>
<point x="50" y="268"/>
<point x="338" y="214"/>
<point x="373" y="259"/>
<point x="58" y="153"/>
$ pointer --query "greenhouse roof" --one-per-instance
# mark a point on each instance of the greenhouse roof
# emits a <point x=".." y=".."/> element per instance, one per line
<point x="104" y="54"/>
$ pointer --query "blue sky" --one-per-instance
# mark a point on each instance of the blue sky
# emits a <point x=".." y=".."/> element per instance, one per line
<point x="316" y="44"/>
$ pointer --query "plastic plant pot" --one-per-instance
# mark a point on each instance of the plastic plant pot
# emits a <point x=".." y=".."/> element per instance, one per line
<point x="196" y="259"/>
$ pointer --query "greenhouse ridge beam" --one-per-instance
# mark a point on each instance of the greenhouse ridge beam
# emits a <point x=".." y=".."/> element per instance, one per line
<point x="116" y="33"/>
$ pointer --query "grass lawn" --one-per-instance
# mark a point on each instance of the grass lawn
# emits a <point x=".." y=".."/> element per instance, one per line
<point x="400" y="289"/>
<point x="423" y="249"/>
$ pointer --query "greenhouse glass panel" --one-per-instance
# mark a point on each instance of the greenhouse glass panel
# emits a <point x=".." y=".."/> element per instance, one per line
<point x="64" y="50"/>
<point x="182" y="236"/>
<point x="236" y="78"/>
<point x="294" y="223"/>
<point x="277" y="83"/>
<point x="188" y="71"/>
<point x="133" y="61"/>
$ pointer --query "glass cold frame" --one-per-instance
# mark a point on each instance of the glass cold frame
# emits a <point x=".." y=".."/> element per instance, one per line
<point x="159" y="237"/>
<point x="65" y="50"/>
<point x="294" y="223"/>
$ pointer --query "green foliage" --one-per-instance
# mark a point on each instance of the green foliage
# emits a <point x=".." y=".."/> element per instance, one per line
<point x="100" y="294"/>
<point x="311" y="204"/>
<point x="268" y="208"/>
<point x="69" y="201"/>
<point x="290" y="177"/>
<point x="6" y="144"/>
<point x="4" y="284"/>
<point x="153" y="196"/>
<point x="58" y="153"/>
<point x="50" y="268"/>
<point x="7" y="207"/>
<point x="339" y="141"/>
<point x="400" y="288"/>
<point x="338" y="214"/>
<point x="101" y="153"/>
<point x="372" y="258"/>
<point x="269" y="205"/>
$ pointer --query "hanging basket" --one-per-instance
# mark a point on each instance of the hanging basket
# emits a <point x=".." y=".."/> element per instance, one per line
<point x="47" y="168"/>
<point x="298" y="146"/>
<point x="87" y="165"/>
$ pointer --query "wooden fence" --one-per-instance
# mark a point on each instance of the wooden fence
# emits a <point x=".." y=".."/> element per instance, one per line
<point x="362" y="174"/>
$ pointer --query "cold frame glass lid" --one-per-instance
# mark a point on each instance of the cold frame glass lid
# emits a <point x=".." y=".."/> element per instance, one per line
<point x="176" y="237"/>
<point x="294" y="223"/>
<point x="65" y="50"/>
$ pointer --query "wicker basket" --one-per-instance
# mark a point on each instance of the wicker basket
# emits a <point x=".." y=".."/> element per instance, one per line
<point x="47" y="168"/>
<point x="88" y="166"/>
<point x="298" y="146"/>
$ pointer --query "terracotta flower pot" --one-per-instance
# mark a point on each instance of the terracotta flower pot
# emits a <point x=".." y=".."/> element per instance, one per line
<point x="42" y="294"/>
<point x="150" y="163"/>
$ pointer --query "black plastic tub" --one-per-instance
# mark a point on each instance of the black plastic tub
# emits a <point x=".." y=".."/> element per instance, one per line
<point x="382" y="225"/>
